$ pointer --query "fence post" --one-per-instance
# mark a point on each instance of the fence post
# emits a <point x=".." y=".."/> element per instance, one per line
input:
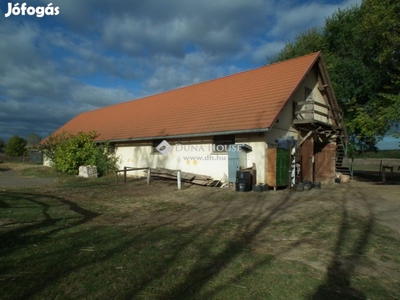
<point x="178" y="179"/>
<point x="148" y="176"/>
<point x="124" y="174"/>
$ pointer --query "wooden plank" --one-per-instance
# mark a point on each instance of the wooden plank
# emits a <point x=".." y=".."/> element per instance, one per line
<point x="326" y="115"/>
<point x="324" y="162"/>
<point x="301" y="103"/>
<point x="304" y="111"/>
<point x="185" y="176"/>
<point x="305" y="138"/>
<point x="172" y="173"/>
<point x="199" y="182"/>
<point x="306" y="154"/>
<point x="271" y="167"/>
<point x="327" y="107"/>
<point x="303" y="121"/>
<point x="202" y="177"/>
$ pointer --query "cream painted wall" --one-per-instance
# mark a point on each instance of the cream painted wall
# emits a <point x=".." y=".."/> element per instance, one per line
<point x="192" y="155"/>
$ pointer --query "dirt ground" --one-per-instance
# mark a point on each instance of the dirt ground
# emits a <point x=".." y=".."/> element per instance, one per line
<point x="9" y="177"/>
<point x="369" y="199"/>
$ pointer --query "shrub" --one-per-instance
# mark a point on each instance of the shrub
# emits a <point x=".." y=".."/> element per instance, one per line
<point x="15" y="146"/>
<point x="68" y="152"/>
<point x="2" y="145"/>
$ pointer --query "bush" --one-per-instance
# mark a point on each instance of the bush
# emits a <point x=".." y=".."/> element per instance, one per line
<point x="68" y="152"/>
<point x="15" y="146"/>
<point x="2" y="145"/>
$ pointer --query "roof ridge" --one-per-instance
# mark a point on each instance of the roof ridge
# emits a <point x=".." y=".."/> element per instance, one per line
<point x="298" y="57"/>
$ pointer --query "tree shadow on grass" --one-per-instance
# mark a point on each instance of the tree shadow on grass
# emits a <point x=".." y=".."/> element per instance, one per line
<point x="15" y="238"/>
<point x="66" y="257"/>
<point x="211" y="263"/>
<point x="337" y="284"/>
<point x="42" y="256"/>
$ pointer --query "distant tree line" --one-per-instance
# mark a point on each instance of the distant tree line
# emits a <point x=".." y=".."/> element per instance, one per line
<point x="361" y="48"/>
<point x="17" y="146"/>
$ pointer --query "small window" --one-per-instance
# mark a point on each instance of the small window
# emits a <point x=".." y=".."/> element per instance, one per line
<point x="154" y="145"/>
<point x="221" y="142"/>
<point x="308" y="94"/>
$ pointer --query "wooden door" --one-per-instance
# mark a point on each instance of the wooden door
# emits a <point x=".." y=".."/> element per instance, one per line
<point x="324" y="163"/>
<point x="271" y="166"/>
<point x="307" y="152"/>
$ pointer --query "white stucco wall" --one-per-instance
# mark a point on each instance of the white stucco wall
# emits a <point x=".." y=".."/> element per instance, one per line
<point x="191" y="155"/>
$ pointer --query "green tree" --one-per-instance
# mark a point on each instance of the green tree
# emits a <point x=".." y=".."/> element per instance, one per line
<point x="2" y="145"/>
<point x="68" y="152"/>
<point x="15" y="146"/>
<point x="33" y="140"/>
<point x="312" y="40"/>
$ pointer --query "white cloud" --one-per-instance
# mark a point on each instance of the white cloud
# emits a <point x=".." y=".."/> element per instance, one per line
<point x="195" y="67"/>
<point x="261" y="52"/>
<point x="291" y="19"/>
<point x="95" y="97"/>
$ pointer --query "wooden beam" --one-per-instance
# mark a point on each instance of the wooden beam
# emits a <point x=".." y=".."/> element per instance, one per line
<point x="307" y="135"/>
<point x="304" y="111"/>
<point x="304" y="121"/>
<point x="325" y="115"/>
<point x="327" y="107"/>
<point x="304" y="102"/>
<point x="322" y="87"/>
<point x="319" y="104"/>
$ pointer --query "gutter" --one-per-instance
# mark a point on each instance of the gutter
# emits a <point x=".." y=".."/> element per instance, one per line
<point x="188" y="135"/>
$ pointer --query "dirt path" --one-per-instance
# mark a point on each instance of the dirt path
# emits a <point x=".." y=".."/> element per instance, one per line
<point x="200" y="205"/>
<point x="11" y="178"/>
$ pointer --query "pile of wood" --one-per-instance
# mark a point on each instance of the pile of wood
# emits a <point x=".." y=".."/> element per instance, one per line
<point x="185" y="176"/>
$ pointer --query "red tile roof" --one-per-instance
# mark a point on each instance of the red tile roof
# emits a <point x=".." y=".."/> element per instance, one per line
<point x="246" y="101"/>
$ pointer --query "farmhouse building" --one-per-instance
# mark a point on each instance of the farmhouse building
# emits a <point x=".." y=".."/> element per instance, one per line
<point x="286" y="104"/>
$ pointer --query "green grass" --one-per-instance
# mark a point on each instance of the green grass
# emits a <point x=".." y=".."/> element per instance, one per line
<point x="38" y="171"/>
<point x="65" y="242"/>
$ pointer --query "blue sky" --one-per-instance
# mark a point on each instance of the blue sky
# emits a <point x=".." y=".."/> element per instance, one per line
<point x="96" y="53"/>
